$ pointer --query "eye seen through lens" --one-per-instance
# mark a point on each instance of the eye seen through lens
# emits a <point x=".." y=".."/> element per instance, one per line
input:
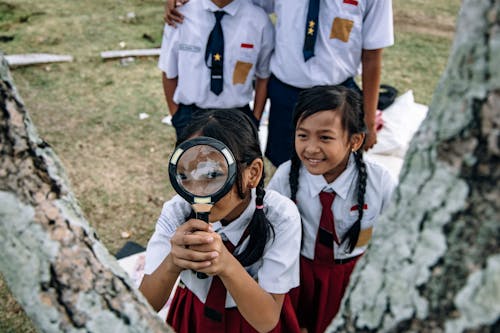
<point x="202" y="170"/>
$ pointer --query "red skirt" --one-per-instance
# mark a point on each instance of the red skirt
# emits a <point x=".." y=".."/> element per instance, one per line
<point x="186" y="309"/>
<point x="317" y="299"/>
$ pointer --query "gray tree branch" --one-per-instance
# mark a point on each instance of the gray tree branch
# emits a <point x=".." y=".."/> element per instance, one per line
<point x="59" y="272"/>
<point x="434" y="262"/>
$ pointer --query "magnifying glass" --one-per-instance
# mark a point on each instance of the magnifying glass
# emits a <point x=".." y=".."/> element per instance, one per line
<point x="202" y="170"/>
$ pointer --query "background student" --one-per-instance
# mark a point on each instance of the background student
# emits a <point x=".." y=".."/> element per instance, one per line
<point x="320" y="42"/>
<point x="211" y="60"/>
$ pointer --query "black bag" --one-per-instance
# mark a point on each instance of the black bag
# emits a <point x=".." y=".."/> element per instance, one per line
<point x="386" y="96"/>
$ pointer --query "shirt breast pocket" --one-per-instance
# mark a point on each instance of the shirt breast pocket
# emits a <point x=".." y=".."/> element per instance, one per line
<point x="367" y="223"/>
<point x="244" y="63"/>
<point x="345" y="30"/>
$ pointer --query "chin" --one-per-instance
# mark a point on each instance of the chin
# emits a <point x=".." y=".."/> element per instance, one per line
<point x="314" y="171"/>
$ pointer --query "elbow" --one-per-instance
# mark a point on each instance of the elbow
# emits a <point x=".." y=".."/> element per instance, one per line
<point x="268" y="323"/>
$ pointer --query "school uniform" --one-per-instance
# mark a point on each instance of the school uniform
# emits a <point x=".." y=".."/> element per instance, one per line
<point x="276" y="272"/>
<point x="248" y="41"/>
<point x="323" y="284"/>
<point x="343" y="29"/>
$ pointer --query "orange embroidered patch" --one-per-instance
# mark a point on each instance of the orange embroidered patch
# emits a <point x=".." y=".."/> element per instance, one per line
<point x="341" y="29"/>
<point x="364" y="237"/>
<point x="241" y="70"/>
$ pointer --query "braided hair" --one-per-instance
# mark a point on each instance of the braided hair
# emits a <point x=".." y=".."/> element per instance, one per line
<point x="350" y="106"/>
<point x="238" y="132"/>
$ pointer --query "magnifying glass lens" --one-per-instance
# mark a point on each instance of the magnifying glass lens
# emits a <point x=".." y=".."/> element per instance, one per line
<point x="202" y="170"/>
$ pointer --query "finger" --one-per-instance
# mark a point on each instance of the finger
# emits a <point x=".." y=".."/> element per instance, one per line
<point x="176" y="15"/>
<point x="181" y="255"/>
<point x="192" y="265"/>
<point x="207" y="247"/>
<point x="193" y="225"/>
<point x="194" y="239"/>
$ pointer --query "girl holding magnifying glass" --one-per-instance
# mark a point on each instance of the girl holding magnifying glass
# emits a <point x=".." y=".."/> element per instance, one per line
<point x="249" y="250"/>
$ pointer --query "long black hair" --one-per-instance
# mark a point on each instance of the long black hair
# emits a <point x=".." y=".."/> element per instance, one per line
<point x="350" y="106"/>
<point x="238" y="132"/>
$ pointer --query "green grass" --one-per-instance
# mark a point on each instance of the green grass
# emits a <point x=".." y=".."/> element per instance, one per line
<point x="88" y="110"/>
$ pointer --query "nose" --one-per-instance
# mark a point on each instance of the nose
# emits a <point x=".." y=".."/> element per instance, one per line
<point x="312" y="147"/>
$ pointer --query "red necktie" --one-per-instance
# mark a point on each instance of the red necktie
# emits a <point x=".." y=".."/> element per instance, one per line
<point x="323" y="252"/>
<point x="216" y="301"/>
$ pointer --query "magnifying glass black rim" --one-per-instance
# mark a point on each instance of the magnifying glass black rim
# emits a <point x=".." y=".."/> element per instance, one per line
<point x="181" y="149"/>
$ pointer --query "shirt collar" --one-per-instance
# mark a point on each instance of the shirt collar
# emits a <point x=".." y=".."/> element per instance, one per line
<point x="234" y="230"/>
<point x="317" y="183"/>
<point x="231" y="8"/>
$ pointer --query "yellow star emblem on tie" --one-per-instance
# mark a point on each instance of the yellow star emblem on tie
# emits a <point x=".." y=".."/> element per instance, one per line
<point x="217" y="57"/>
<point x="312" y="24"/>
<point x="310" y="31"/>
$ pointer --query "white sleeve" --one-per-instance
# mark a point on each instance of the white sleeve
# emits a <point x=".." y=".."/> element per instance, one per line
<point x="263" y="69"/>
<point x="169" y="52"/>
<point x="280" y="269"/>
<point x="279" y="182"/>
<point x="173" y="214"/>
<point x="388" y="186"/>
<point x="378" y="30"/>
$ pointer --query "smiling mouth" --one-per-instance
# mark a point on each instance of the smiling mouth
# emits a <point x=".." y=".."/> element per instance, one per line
<point x="313" y="160"/>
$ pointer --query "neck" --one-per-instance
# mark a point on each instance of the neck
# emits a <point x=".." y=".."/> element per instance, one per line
<point x="333" y="174"/>
<point x="236" y="212"/>
<point x="222" y="3"/>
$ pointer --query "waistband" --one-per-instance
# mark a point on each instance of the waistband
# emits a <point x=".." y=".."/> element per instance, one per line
<point x="196" y="108"/>
<point x="348" y="83"/>
<point x="336" y="261"/>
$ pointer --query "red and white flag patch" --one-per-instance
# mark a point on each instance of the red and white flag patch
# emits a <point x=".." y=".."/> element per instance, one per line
<point x="355" y="207"/>
<point x="247" y="45"/>
<point x="351" y="2"/>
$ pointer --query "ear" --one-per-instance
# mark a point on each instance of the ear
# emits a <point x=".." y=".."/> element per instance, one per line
<point x="253" y="173"/>
<point x="357" y="141"/>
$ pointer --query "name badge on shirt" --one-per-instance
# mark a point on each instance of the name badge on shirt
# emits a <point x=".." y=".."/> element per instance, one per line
<point x="189" y="48"/>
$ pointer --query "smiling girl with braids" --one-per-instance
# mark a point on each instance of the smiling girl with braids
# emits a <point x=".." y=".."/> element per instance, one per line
<point x="262" y="226"/>
<point x="339" y="195"/>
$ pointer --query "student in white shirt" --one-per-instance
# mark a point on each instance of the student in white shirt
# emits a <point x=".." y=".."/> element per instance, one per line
<point x="328" y="163"/>
<point x="263" y="226"/>
<point x="186" y="59"/>
<point x="350" y="36"/>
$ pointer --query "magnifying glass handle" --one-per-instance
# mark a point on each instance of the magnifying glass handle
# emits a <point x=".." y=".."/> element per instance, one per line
<point x="202" y="216"/>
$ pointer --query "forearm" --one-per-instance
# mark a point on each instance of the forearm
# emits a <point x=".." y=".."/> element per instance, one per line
<point x="261" y="309"/>
<point x="260" y="97"/>
<point x="169" y="86"/>
<point x="158" y="286"/>
<point x="372" y="64"/>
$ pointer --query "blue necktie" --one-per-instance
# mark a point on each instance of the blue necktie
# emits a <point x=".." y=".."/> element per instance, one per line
<point x="311" y="29"/>
<point x="214" y="54"/>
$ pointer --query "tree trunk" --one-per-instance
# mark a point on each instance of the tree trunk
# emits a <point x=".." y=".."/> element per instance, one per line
<point x="55" y="267"/>
<point x="434" y="264"/>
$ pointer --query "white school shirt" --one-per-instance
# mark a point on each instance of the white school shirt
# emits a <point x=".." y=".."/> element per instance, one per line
<point x="346" y="27"/>
<point x="379" y="188"/>
<point x="248" y="44"/>
<point x="278" y="269"/>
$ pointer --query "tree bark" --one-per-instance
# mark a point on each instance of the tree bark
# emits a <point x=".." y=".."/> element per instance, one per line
<point x="58" y="271"/>
<point x="434" y="263"/>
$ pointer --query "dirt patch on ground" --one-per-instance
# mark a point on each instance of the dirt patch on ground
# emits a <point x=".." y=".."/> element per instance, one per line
<point x="422" y="24"/>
